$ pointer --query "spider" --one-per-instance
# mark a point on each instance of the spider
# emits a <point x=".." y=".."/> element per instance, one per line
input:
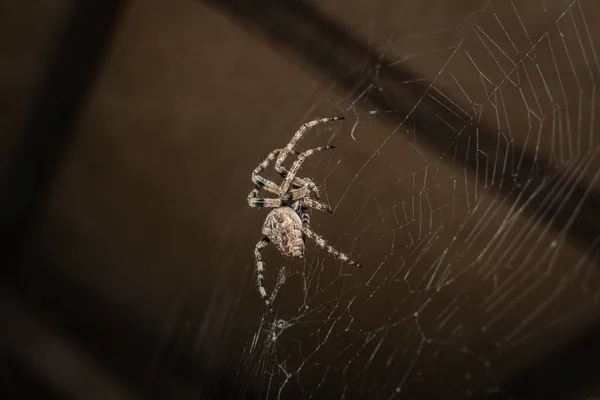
<point x="288" y="225"/>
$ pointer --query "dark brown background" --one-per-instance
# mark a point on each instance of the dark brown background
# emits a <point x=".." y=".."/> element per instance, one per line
<point x="129" y="131"/>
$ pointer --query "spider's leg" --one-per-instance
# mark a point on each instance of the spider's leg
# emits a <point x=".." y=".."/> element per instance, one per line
<point x="296" y="167"/>
<point x="299" y="182"/>
<point x="265" y="163"/>
<point x="304" y="215"/>
<point x="317" y="205"/>
<point x="296" y="194"/>
<point x="258" y="202"/>
<point x="270" y="186"/>
<point x="323" y="244"/>
<point x="260" y="269"/>
<point x="297" y="136"/>
<point x="283" y="171"/>
<point x="261" y="182"/>
<point x="313" y="187"/>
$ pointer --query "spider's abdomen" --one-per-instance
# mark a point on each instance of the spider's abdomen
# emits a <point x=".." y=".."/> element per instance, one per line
<point x="283" y="227"/>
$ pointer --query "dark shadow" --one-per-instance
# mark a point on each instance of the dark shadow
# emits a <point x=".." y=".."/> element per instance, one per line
<point x="560" y="374"/>
<point x="50" y="126"/>
<point x="17" y="382"/>
<point x="118" y="341"/>
<point x="48" y="131"/>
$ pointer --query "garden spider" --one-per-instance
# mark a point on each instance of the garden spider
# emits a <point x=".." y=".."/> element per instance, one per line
<point x="287" y="226"/>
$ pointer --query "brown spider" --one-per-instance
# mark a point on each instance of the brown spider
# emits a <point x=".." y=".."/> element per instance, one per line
<point x="287" y="226"/>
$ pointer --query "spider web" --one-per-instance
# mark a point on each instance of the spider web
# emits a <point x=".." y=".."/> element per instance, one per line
<point x="465" y="204"/>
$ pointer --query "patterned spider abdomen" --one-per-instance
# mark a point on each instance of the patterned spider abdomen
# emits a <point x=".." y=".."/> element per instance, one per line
<point x="283" y="227"/>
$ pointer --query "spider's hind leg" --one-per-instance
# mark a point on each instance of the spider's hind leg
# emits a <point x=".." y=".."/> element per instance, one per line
<point x="331" y="250"/>
<point x="260" y="269"/>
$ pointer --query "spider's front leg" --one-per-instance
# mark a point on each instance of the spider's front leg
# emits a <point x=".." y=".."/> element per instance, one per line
<point x="296" y="167"/>
<point x="303" y="186"/>
<point x="261" y="182"/>
<point x="272" y="186"/>
<point x="299" y="182"/>
<point x="258" y="202"/>
<point x="297" y="136"/>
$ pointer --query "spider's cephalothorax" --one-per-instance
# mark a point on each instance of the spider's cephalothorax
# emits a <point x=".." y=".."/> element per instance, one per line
<point x="287" y="225"/>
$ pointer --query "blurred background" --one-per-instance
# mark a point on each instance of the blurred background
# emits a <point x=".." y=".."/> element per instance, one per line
<point x="464" y="180"/>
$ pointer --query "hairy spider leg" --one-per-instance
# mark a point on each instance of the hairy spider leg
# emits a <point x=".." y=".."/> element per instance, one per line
<point x="317" y="205"/>
<point x="258" y="202"/>
<point x="259" y="180"/>
<point x="297" y="136"/>
<point x="260" y="269"/>
<point x="299" y="182"/>
<point x="304" y="216"/>
<point x="271" y="186"/>
<point x="323" y="244"/>
<point x="308" y="182"/>
<point x="296" y="167"/>
<point x="263" y="182"/>
<point x="302" y="210"/>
